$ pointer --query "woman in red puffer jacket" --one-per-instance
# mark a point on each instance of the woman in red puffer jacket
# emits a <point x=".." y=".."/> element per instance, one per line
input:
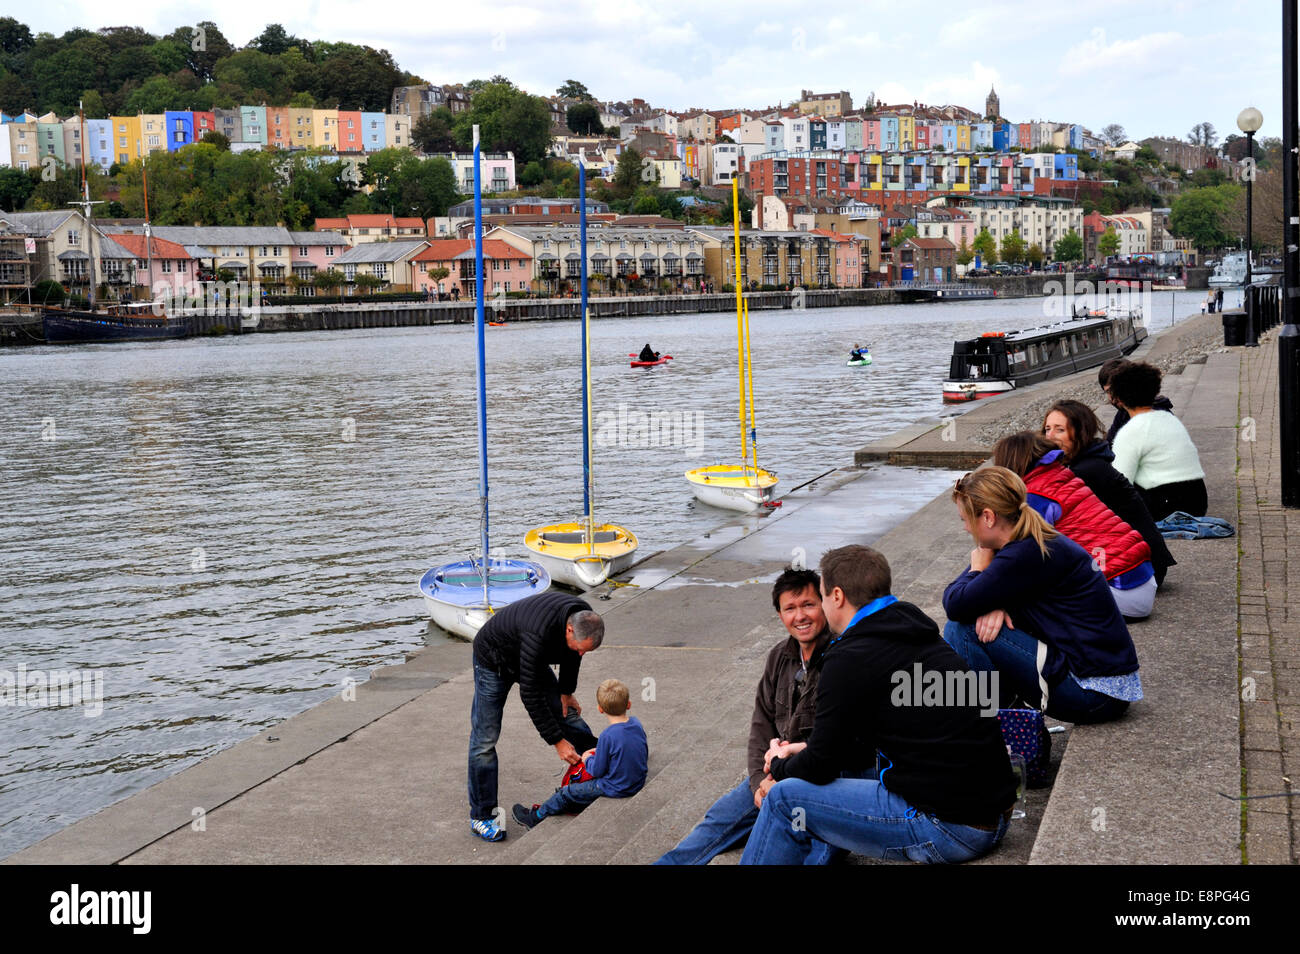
<point x="1065" y="502"/>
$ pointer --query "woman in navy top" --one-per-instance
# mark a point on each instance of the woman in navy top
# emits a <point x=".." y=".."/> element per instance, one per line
<point x="1035" y="608"/>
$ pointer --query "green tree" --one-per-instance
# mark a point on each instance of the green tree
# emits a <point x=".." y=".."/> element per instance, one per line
<point x="157" y="95"/>
<point x="1035" y="255"/>
<point x="627" y="172"/>
<point x="15" y="187"/>
<point x="583" y="119"/>
<point x="1069" y="247"/>
<point x="1013" y="247"/>
<point x="216" y="139"/>
<point x="986" y="247"/>
<point x="1108" y="244"/>
<point x="902" y="235"/>
<point x="204" y="45"/>
<point x="358" y="77"/>
<point x="965" y="255"/>
<point x="509" y="120"/>
<point x="532" y="174"/>
<point x="572" y="89"/>
<point x="15" y="37"/>
<point x="328" y="280"/>
<point x="367" y="283"/>
<point x="262" y="77"/>
<point x="276" y="40"/>
<point x="1202" y="215"/>
<point x="433" y="133"/>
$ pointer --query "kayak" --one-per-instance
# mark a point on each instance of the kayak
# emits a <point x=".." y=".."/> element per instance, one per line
<point x="637" y="363"/>
<point x="860" y="362"/>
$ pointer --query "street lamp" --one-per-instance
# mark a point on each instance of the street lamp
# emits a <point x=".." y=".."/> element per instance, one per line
<point x="1248" y="121"/>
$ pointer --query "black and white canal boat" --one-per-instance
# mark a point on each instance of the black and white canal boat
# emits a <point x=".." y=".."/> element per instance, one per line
<point x="1000" y="361"/>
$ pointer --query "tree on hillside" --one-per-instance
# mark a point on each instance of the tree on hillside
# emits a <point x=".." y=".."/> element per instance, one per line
<point x="1013" y="247"/>
<point x="572" y="89"/>
<point x="584" y="120"/>
<point x="1267" y="216"/>
<point x="15" y="37"/>
<point x="276" y="40"/>
<point x="1114" y="134"/>
<point x="434" y="132"/>
<point x="627" y="173"/>
<point x="204" y="45"/>
<point x="509" y="120"/>
<point x="1203" y="134"/>
<point x="1069" y="247"/>
<point x="1202" y="215"/>
<point x="15" y="187"/>
<point x="359" y="77"/>
<point x="986" y="247"/>
<point x="1108" y="244"/>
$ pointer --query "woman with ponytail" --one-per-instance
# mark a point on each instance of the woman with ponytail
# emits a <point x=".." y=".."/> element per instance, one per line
<point x="1033" y="607"/>
<point x="1067" y="503"/>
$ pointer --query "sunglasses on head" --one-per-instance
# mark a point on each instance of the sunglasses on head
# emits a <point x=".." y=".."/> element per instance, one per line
<point x="961" y="482"/>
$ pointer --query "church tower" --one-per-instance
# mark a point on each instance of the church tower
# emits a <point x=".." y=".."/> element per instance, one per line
<point x="992" y="108"/>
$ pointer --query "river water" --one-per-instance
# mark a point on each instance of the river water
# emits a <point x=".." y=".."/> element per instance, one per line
<point x="226" y="529"/>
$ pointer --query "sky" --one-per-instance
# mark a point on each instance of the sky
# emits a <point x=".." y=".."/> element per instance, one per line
<point x="1156" y="67"/>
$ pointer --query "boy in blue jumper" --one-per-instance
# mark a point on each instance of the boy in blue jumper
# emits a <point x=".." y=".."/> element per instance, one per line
<point x="617" y="765"/>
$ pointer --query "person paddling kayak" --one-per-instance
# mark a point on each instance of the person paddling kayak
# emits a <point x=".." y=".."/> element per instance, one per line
<point x="647" y="354"/>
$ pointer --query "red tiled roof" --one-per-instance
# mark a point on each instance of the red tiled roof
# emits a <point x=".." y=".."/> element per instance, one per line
<point x="444" y="250"/>
<point x="161" y="247"/>
<point x="932" y="244"/>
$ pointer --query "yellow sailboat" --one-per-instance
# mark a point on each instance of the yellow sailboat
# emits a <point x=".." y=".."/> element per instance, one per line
<point x="583" y="553"/>
<point x="744" y="486"/>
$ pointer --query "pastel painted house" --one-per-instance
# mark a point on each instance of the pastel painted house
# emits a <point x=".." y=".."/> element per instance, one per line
<point x="390" y="262"/>
<point x="505" y="268"/>
<point x="350" y="136"/>
<point x="313" y="252"/>
<point x="374" y="134"/>
<point x="173" y="267"/>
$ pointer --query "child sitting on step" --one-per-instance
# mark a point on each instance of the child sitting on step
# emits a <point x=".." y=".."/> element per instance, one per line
<point x="617" y="765"/>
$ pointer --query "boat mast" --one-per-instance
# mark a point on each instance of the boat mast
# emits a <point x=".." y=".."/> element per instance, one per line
<point x="148" y="234"/>
<point x="85" y="205"/>
<point x="740" y="317"/>
<point x="482" y="370"/>
<point x="586" y="358"/>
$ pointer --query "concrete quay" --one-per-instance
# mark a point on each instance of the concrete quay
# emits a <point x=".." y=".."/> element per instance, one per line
<point x="381" y="779"/>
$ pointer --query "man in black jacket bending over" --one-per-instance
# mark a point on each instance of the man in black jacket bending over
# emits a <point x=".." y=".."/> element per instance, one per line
<point x="890" y="685"/>
<point x="519" y="644"/>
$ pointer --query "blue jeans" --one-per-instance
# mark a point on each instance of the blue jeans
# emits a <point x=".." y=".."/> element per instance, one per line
<point x="727" y="824"/>
<point x="862" y="816"/>
<point x="571" y="799"/>
<point x="1013" y="655"/>
<point x="490" y="692"/>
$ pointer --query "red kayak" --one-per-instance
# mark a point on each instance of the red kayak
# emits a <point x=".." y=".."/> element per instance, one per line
<point x="649" y="364"/>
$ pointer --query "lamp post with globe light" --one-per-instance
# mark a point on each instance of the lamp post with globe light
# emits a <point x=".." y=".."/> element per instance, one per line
<point x="1248" y="121"/>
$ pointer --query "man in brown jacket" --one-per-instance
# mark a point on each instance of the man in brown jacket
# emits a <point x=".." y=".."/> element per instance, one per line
<point x="784" y="708"/>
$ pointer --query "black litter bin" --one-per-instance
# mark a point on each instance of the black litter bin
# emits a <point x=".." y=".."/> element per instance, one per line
<point x="1234" y="328"/>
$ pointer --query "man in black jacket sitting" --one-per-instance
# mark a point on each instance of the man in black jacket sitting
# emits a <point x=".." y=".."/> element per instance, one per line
<point x="519" y="644"/>
<point x="888" y="685"/>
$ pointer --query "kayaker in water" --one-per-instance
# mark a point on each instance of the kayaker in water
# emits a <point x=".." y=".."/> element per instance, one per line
<point x="647" y="354"/>
<point x="858" y="353"/>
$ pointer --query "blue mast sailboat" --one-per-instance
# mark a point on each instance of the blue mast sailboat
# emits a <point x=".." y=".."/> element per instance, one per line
<point x="462" y="596"/>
